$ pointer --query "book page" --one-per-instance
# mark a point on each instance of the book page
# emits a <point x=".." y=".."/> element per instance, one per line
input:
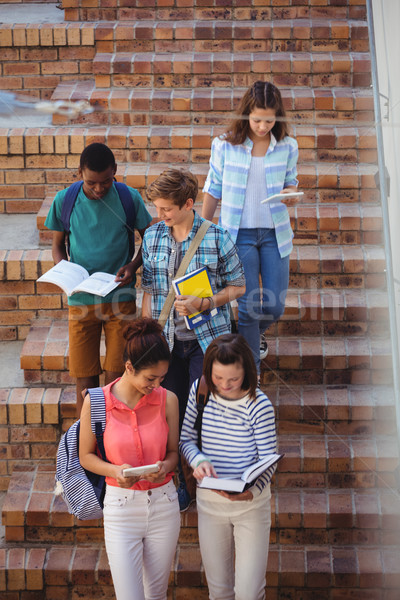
<point x="252" y="472"/>
<point x="99" y="284"/>
<point x="66" y="275"/>
<point x="221" y="483"/>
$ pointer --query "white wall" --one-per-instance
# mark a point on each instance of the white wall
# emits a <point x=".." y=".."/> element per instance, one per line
<point x="386" y="15"/>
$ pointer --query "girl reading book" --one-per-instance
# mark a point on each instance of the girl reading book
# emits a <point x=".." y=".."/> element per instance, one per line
<point x="238" y="430"/>
<point x="141" y="513"/>
<point x="252" y="161"/>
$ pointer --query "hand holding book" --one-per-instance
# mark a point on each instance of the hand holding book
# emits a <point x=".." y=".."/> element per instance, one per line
<point x="238" y="484"/>
<point x="187" y="305"/>
<point x="191" y="302"/>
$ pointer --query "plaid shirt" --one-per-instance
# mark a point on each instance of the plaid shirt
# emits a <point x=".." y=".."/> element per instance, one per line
<point x="217" y="252"/>
<point x="227" y="180"/>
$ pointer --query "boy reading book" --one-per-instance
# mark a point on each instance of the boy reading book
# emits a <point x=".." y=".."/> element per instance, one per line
<point x="173" y="194"/>
<point x="98" y="240"/>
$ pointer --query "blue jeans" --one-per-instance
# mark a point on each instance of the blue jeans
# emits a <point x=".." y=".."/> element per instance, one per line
<point x="259" y="309"/>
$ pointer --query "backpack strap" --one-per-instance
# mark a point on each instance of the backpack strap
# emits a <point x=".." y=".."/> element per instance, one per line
<point x="71" y="195"/>
<point x="98" y="417"/>
<point x="66" y="209"/>
<point x="202" y="396"/>
<point x="125" y="197"/>
<point x="130" y="213"/>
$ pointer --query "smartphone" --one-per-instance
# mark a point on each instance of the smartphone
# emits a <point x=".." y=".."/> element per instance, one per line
<point x="143" y="470"/>
<point x="281" y="196"/>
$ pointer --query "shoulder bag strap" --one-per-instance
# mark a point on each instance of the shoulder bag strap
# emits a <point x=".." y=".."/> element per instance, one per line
<point x="162" y="319"/>
<point x="98" y="417"/>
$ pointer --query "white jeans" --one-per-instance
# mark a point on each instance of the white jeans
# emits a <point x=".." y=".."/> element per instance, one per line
<point x="141" y="531"/>
<point x="234" y="542"/>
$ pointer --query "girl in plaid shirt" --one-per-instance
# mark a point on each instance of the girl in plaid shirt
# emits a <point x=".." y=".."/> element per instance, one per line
<point x="253" y="160"/>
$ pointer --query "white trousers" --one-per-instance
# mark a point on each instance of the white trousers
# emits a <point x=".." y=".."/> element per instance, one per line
<point x="141" y="530"/>
<point x="234" y="542"/>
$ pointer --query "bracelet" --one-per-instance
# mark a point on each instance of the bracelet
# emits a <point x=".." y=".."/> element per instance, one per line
<point x="201" y="461"/>
<point x="211" y="300"/>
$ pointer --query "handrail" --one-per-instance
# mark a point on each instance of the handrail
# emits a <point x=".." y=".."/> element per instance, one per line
<point x="385" y="217"/>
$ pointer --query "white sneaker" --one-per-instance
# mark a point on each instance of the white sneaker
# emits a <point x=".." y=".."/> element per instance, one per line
<point x="263" y="347"/>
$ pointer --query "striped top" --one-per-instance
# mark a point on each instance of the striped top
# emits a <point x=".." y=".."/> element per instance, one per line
<point x="235" y="434"/>
<point x="254" y="213"/>
<point x="227" y="181"/>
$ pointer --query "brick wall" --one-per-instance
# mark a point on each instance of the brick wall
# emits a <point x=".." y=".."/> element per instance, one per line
<point x="31" y="423"/>
<point x="36" y="57"/>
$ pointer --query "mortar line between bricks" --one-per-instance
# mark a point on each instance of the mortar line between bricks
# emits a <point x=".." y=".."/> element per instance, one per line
<point x="333" y="433"/>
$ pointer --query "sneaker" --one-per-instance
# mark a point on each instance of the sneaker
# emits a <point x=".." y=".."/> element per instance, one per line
<point x="263" y="347"/>
<point x="183" y="497"/>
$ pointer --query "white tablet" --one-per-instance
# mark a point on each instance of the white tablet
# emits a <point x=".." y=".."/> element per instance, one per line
<point x="143" y="470"/>
<point x="281" y="196"/>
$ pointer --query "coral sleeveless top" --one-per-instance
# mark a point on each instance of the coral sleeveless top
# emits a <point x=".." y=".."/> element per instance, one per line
<point x="136" y="436"/>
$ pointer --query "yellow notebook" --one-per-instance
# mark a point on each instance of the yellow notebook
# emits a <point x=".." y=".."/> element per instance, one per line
<point x="197" y="283"/>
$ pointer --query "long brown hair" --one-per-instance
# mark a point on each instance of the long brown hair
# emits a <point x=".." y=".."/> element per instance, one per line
<point x="262" y="94"/>
<point x="228" y="349"/>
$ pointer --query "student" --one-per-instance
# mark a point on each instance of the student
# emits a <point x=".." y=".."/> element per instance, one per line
<point x="98" y="241"/>
<point x="141" y="514"/>
<point x="253" y="160"/>
<point x="238" y="429"/>
<point x="173" y="194"/>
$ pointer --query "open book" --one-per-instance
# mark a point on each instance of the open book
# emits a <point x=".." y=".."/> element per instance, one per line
<point x="73" y="278"/>
<point x="246" y="479"/>
<point x="197" y="283"/>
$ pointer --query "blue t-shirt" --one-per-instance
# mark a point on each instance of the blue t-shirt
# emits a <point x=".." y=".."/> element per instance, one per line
<point x="99" y="238"/>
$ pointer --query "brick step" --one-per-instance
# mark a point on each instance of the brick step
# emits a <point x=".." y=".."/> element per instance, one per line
<point x="209" y="105"/>
<point x="147" y="69"/>
<point x="312" y="224"/>
<point x="334" y="291"/>
<point x="32" y="513"/>
<point x="307" y="360"/>
<point x="212" y="10"/>
<point x="31" y="423"/>
<point x="303" y="34"/>
<point x="341" y="410"/>
<point x="325" y="152"/>
<point x="338" y="461"/>
<point x="322" y="143"/>
<point x="329" y="266"/>
<point x="32" y="419"/>
<point x="330" y="572"/>
<point x="31" y="173"/>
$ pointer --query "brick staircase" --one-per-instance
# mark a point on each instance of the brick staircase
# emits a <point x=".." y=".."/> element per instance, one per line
<point x="164" y="76"/>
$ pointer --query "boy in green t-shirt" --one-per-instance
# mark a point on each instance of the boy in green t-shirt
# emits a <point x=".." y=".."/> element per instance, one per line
<point x="98" y="241"/>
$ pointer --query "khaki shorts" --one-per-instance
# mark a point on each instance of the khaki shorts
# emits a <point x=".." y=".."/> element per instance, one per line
<point x="85" y="327"/>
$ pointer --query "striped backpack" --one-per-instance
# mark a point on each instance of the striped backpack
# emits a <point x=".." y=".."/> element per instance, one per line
<point x="83" y="491"/>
